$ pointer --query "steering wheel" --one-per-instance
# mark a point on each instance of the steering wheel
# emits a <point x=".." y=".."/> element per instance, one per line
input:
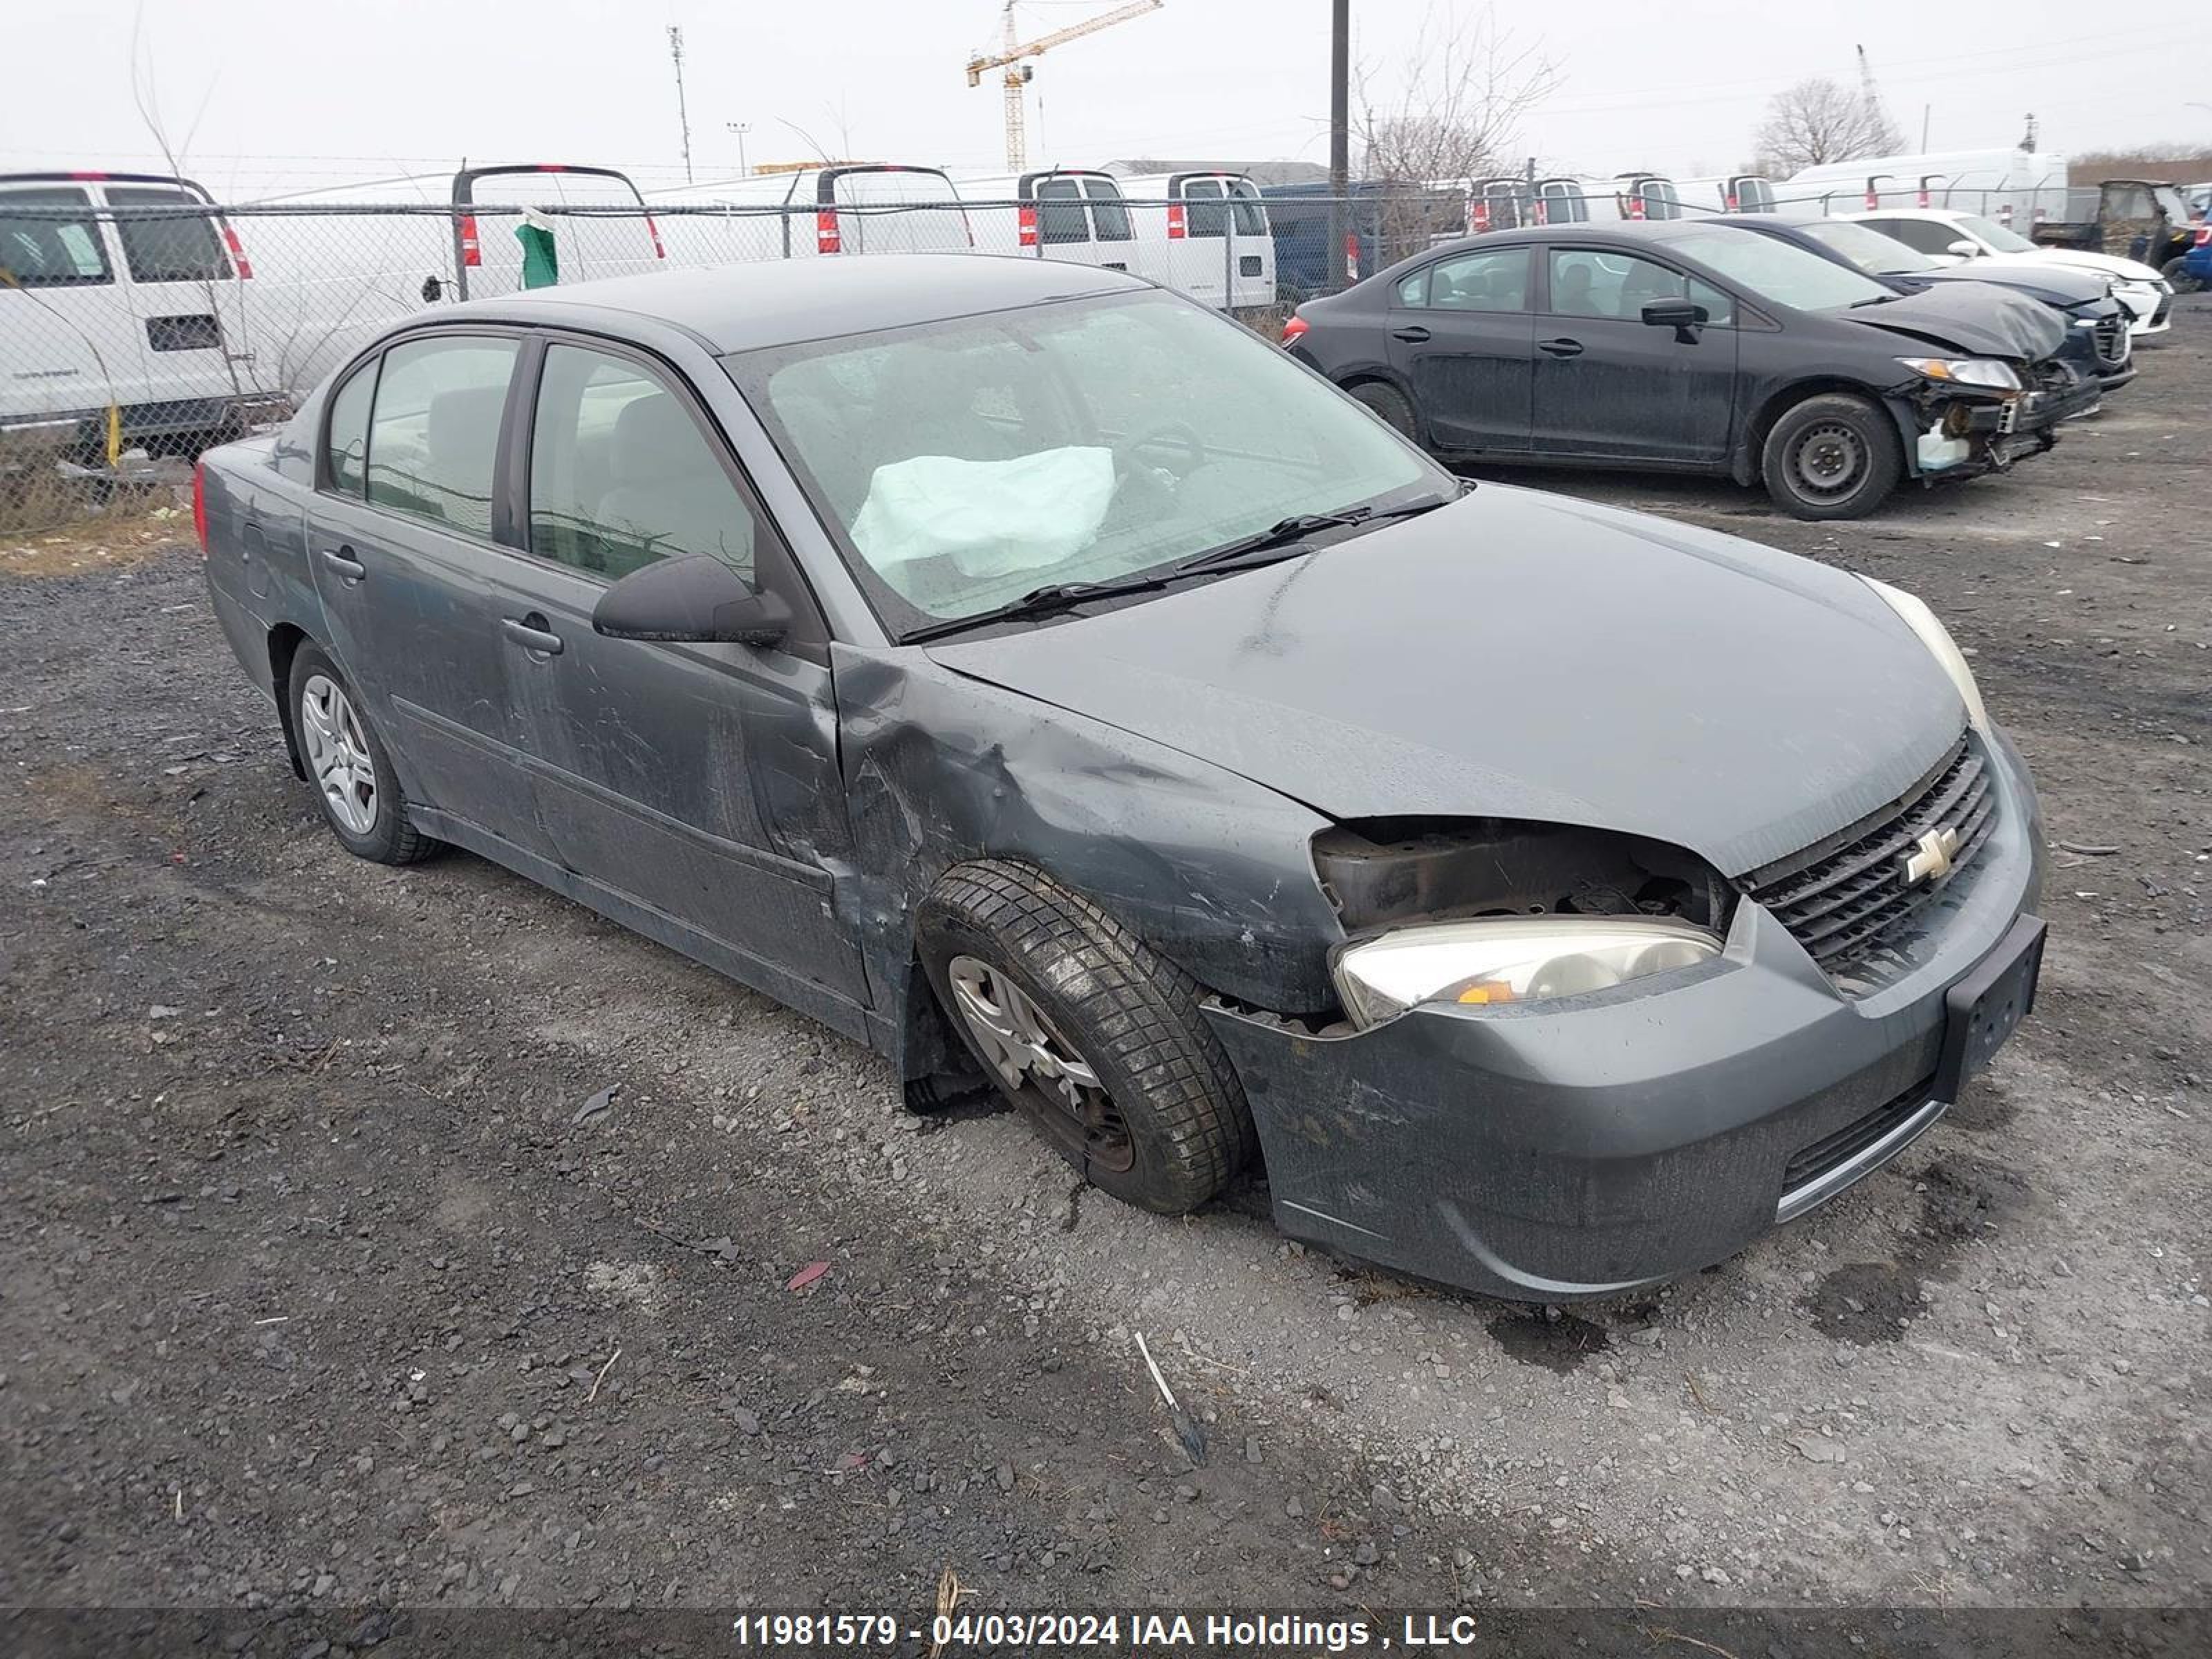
<point x="1126" y="455"/>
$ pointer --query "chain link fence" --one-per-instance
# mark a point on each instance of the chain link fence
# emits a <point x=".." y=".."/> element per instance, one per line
<point x="134" y="334"/>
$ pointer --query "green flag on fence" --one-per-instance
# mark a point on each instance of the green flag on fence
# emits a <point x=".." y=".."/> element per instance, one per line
<point x="541" y="265"/>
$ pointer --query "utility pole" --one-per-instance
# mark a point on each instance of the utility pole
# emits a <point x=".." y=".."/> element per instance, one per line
<point x="1339" y="135"/>
<point x="740" y="128"/>
<point x="683" y="116"/>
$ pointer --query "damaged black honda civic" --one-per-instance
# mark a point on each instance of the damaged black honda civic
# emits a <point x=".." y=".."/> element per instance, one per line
<point x="1046" y="682"/>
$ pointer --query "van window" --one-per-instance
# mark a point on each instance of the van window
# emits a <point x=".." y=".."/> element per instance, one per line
<point x="48" y="250"/>
<point x="1109" y="215"/>
<point x="162" y="249"/>
<point x="621" y="475"/>
<point x="1563" y="205"/>
<point x="1661" y="200"/>
<point x="433" y="439"/>
<point x="1754" y="196"/>
<point x="345" y="448"/>
<point x="1059" y="212"/>
<point x="1206" y="214"/>
<point x="1251" y="221"/>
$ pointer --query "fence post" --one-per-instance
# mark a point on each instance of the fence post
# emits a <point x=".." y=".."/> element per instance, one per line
<point x="1228" y="244"/>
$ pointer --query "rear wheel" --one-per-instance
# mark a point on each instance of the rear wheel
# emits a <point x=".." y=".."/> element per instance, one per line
<point x="1388" y="405"/>
<point x="2176" y="271"/>
<point x="1833" y="456"/>
<point x="355" y="782"/>
<point x="1096" y="1038"/>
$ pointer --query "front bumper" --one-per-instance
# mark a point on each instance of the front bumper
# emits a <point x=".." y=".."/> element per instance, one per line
<point x="1550" y="1153"/>
<point x="2150" y="309"/>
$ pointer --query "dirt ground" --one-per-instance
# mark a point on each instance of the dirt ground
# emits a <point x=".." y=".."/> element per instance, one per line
<point x="323" y="1285"/>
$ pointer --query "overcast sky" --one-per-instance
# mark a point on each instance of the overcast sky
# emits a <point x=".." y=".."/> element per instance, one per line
<point x="307" y="94"/>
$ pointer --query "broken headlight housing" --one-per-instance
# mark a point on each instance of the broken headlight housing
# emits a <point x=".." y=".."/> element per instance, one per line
<point x="1509" y="959"/>
<point x="1922" y="621"/>
<point x="1992" y="373"/>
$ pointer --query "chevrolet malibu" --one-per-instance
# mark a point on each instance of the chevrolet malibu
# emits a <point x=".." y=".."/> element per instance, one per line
<point x="1031" y="675"/>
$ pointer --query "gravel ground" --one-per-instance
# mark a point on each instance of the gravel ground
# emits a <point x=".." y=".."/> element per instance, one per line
<point x="323" y="1286"/>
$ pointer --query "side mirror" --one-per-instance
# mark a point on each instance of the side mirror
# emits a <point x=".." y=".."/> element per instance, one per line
<point x="1681" y="315"/>
<point x="693" y="600"/>
<point x="1964" y="249"/>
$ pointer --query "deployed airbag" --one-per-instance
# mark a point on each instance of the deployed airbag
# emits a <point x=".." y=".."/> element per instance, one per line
<point x="990" y="518"/>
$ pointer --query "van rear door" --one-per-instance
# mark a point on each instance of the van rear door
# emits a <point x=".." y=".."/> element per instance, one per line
<point x="1220" y="250"/>
<point x="67" y="345"/>
<point x="890" y="210"/>
<point x="587" y="246"/>
<point x="187" y="297"/>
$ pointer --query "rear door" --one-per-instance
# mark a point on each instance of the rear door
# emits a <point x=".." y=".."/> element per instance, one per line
<point x="404" y="542"/>
<point x="700" y="781"/>
<point x="1063" y="221"/>
<point x="184" y="289"/>
<point x="620" y="240"/>
<point x="1114" y="234"/>
<point x="1607" y="383"/>
<point x="1252" y="277"/>
<point x="67" y="338"/>
<point x="1462" y="335"/>
<point x="894" y="209"/>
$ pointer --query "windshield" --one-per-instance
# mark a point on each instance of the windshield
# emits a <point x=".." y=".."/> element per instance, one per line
<point x="963" y="464"/>
<point x="1774" y="270"/>
<point x="1869" y="250"/>
<point x="1990" y="233"/>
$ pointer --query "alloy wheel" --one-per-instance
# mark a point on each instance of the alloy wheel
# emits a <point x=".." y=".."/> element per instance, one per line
<point x="337" y="754"/>
<point x="1037" y="1064"/>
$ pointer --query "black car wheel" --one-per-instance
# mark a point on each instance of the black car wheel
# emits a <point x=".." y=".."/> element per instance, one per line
<point x="1095" y="1037"/>
<point x="1388" y="405"/>
<point x="2176" y="271"/>
<point x="1833" y="456"/>
<point x="355" y="784"/>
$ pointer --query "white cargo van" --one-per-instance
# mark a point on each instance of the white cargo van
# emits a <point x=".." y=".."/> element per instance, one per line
<point x="113" y="294"/>
<point x="1073" y="214"/>
<point x="852" y="208"/>
<point x="2012" y="186"/>
<point x="1211" y="233"/>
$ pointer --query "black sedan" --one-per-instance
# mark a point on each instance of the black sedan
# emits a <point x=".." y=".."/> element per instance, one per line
<point x="1687" y="346"/>
<point x="2097" y="339"/>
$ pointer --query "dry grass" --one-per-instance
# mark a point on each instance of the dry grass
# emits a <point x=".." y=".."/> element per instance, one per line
<point x="110" y="541"/>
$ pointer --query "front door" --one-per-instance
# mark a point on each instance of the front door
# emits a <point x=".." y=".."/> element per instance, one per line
<point x="698" y="781"/>
<point x="1609" y="383"/>
<point x="1462" y="337"/>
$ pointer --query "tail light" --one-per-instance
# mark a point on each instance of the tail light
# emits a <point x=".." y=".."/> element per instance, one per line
<point x="2004" y="216"/>
<point x="1543" y="210"/>
<point x="1175" y="231"/>
<point x="471" y="251"/>
<point x="2039" y="215"/>
<point x="1731" y="202"/>
<point x="2204" y="236"/>
<point x="199" y="505"/>
<point x="1350" y="270"/>
<point x="828" y="238"/>
<point x="1293" y="329"/>
<point x="1872" y="198"/>
<point x="1636" y="207"/>
<point x="240" y="262"/>
<point x="1026" y="220"/>
<point x="1478" y="215"/>
<point x="653" y="231"/>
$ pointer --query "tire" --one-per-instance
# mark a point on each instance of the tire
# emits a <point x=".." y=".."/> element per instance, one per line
<point x="376" y="825"/>
<point x="2176" y="271"/>
<point x="1388" y="405"/>
<point x="1167" y="1127"/>
<point x="1833" y="456"/>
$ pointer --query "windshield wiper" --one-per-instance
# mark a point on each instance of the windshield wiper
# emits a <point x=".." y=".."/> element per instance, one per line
<point x="1291" y="533"/>
<point x="1871" y="299"/>
<point x="1038" y="602"/>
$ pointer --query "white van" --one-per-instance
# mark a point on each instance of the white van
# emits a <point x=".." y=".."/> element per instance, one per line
<point x="870" y="207"/>
<point x="2011" y="187"/>
<point x="1074" y="214"/>
<point x="1210" y="233"/>
<point x="331" y="275"/>
<point x="104" y="307"/>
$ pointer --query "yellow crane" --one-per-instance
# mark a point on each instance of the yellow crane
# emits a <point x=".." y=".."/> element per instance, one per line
<point x="1011" y="51"/>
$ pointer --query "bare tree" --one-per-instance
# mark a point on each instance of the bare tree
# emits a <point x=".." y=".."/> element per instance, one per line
<point x="1817" y="121"/>
<point x="1449" y="110"/>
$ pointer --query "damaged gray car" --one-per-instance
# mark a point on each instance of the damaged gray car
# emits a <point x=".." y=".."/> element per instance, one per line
<point x="1044" y="680"/>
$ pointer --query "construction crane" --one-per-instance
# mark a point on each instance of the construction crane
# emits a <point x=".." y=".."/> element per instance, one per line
<point x="1011" y="51"/>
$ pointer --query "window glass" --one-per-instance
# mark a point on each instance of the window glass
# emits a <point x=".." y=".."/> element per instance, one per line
<point x="1754" y="196"/>
<point x="621" y="473"/>
<point x="1496" y="281"/>
<point x="963" y="464"/>
<point x="47" y="249"/>
<point x="1108" y="212"/>
<point x="347" y="447"/>
<point x="1251" y="218"/>
<point x="163" y="249"/>
<point x="1661" y="200"/>
<point x="1207" y="214"/>
<point x="1769" y="269"/>
<point x="1563" y="205"/>
<point x="1060" y="211"/>
<point x="1923" y="235"/>
<point x="1619" y="285"/>
<point x="1869" y="247"/>
<point x="434" y="440"/>
<point x="1974" y="228"/>
<point x="1413" y="290"/>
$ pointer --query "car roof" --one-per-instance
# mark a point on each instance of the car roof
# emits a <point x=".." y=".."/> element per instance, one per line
<point x="742" y="307"/>
<point x="1626" y="230"/>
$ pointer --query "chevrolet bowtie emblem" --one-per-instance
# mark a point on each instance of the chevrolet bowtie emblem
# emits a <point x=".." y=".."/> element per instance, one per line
<point x="1930" y="860"/>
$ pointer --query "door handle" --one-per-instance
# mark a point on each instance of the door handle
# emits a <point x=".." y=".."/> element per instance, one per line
<point x="1561" y="348"/>
<point x="531" y="634"/>
<point x="341" y="559"/>
<point x="1412" y="336"/>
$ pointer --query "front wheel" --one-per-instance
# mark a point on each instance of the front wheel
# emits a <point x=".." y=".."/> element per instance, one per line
<point x="2176" y="271"/>
<point x="1095" y="1037"/>
<point x="1388" y="405"/>
<point x="1833" y="456"/>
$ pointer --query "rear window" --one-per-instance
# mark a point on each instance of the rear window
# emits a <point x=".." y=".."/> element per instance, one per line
<point x="1109" y="214"/>
<point x="49" y="248"/>
<point x="1210" y="207"/>
<point x="1754" y="196"/>
<point x="166" y="247"/>
<point x="1563" y="204"/>
<point x="1060" y="211"/>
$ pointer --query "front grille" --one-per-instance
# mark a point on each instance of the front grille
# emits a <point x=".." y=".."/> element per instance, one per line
<point x="1832" y="1151"/>
<point x="2112" y="341"/>
<point x="1846" y="899"/>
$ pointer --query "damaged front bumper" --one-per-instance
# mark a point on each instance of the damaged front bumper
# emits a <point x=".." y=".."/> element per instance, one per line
<point x="1955" y="436"/>
<point x="1545" y="1153"/>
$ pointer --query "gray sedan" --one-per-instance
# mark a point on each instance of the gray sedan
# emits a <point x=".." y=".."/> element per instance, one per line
<point x="1026" y="673"/>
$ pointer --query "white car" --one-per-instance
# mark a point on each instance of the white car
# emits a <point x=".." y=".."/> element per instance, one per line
<point x="1952" y="237"/>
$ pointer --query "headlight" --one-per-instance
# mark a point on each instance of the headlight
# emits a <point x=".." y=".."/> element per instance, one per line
<point x="1937" y="638"/>
<point x="1967" y="370"/>
<point x="1509" y="959"/>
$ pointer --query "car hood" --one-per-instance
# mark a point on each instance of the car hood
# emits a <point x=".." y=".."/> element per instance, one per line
<point x="1985" y="322"/>
<point x="2052" y="284"/>
<point x="1520" y="655"/>
<point x="2107" y="264"/>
